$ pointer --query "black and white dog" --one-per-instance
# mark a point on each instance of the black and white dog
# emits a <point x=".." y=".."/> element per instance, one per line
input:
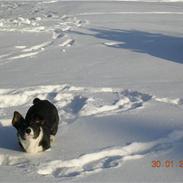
<point x="38" y="129"/>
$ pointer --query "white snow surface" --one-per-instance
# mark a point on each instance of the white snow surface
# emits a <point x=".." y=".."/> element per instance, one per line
<point x="114" y="72"/>
<point x="54" y="1"/>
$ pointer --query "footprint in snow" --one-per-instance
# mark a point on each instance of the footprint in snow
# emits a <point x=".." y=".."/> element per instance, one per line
<point x="73" y="102"/>
<point x="108" y="158"/>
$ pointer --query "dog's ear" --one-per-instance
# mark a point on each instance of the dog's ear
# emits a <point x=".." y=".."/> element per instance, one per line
<point x="36" y="100"/>
<point x="17" y="119"/>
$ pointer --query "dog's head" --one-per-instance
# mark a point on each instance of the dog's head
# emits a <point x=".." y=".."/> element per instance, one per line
<point x="26" y="129"/>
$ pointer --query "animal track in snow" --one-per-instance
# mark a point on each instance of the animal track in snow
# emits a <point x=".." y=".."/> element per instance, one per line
<point x="73" y="102"/>
<point x="125" y="100"/>
<point x="76" y="101"/>
<point x="8" y="160"/>
<point x="39" y="20"/>
<point x="107" y="158"/>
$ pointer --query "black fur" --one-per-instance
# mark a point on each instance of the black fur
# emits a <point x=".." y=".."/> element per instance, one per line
<point x="41" y="114"/>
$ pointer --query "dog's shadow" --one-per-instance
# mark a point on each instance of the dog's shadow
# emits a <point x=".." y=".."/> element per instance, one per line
<point x="8" y="138"/>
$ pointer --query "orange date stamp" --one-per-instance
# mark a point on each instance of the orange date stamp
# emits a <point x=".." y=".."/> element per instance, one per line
<point x="167" y="164"/>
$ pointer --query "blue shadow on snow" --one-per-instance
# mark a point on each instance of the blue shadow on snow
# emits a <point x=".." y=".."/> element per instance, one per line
<point x="156" y="44"/>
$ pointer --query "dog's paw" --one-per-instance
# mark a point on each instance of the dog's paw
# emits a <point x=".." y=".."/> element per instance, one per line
<point x="47" y="150"/>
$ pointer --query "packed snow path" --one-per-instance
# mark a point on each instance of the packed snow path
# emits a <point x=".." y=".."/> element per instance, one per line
<point x="73" y="102"/>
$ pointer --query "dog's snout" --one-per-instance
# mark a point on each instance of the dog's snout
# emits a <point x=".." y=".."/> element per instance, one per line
<point x="28" y="131"/>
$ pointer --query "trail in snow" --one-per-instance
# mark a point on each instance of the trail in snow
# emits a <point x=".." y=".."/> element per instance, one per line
<point x="42" y="20"/>
<point x="8" y="160"/>
<point x="97" y="161"/>
<point x="108" y="158"/>
<point x="73" y="102"/>
<point x="38" y="21"/>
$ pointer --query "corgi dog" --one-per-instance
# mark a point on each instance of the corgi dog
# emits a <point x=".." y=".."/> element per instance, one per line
<point x="37" y="130"/>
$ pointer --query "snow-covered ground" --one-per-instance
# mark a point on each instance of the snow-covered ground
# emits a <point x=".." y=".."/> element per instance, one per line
<point x="114" y="71"/>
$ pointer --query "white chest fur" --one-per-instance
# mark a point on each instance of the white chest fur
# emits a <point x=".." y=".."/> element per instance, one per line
<point x="32" y="145"/>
